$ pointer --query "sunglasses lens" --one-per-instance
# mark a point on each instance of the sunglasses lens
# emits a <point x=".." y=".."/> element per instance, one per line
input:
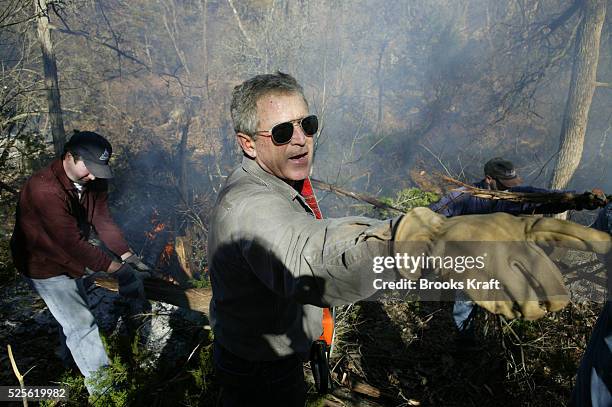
<point x="281" y="133"/>
<point x="310" y="125"/>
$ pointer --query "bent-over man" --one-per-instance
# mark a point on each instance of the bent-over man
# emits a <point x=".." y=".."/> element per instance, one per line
<point x="499" y="175"/>
<point x="59" y="208"/>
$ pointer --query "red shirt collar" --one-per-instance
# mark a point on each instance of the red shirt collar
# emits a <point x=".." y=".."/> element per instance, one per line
<point x="308" y="193"/>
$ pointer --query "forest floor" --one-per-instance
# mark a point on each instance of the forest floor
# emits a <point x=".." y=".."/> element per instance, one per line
<point x="395" y="353"/>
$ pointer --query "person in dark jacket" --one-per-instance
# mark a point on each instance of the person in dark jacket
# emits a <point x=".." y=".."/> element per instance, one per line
<point x="59" y="208"/>
<point x="500" y="175"/>
<point x="594" y="379"/>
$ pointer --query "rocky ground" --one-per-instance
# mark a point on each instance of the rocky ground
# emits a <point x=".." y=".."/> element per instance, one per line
<point x="166" y="335"/>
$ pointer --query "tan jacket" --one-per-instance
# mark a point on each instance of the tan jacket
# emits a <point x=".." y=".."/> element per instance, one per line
<point x="273" y="265"/>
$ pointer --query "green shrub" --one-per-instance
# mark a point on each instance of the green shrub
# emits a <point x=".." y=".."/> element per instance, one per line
<point x="404" y="200"/>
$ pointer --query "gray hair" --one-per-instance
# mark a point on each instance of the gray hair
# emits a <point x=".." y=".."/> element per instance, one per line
<point x="246" y="95"/>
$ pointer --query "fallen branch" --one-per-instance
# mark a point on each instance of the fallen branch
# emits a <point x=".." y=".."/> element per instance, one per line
<point x="17" y="373"/>
<point x="357" y="386"/>
<point x="569" y="198"/>
<point x="355" y="195"/>
<point x="196" y="299"/>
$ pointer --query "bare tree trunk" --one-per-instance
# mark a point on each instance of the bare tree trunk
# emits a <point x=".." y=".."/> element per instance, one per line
<point x="183" y="179"/>
<point x="51" y="82"/>
<point x="183" y="123"/>
<point x="582" y="87"/>
<point x="379" y="116"/>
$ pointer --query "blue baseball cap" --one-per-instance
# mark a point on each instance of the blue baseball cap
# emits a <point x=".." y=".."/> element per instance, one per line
<point x="94" y="150"/>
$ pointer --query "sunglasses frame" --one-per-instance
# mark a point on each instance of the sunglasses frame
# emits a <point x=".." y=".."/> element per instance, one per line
<point x="293" y="123"/>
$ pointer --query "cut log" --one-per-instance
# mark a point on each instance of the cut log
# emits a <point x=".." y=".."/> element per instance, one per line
<point x="196" y="299"/>
<point x="358" y="386"/>
<point x="183" y="252"/>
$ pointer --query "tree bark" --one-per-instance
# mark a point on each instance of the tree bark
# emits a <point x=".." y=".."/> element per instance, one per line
<point x="50" y="70"/>
<point x="183" y="122"/>
<point x="582" y="87"/>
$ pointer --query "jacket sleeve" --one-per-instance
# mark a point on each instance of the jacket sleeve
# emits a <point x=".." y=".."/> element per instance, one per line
<point x="107" y="229"/>
<point x="452" y="204"/>
<point x="53" y="216"/>
<point x="603" y="220"/>
<point x="319" y="262"/>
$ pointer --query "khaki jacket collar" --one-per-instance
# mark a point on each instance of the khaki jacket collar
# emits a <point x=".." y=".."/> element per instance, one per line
<point x="271" y="181"/>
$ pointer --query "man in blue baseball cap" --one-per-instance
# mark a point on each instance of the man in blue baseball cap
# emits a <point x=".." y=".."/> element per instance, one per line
<point x="499" y="175"/>
<point x="94" y="150"/>
<point x="60" y="208"/>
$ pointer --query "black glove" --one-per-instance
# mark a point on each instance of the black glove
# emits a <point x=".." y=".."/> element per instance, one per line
<point x="137" y="263"/>
<point x="130" y="281"/>
<point x="590" y="201"/>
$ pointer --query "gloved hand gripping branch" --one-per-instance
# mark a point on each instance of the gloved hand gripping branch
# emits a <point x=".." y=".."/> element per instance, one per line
<point x="130" y="281"/>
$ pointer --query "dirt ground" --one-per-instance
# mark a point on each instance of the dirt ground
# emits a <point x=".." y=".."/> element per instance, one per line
<point x="393" y="353"/>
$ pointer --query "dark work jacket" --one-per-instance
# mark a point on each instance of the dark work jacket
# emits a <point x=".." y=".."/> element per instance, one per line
<point x="604" y="219"/>
<point x="462" y="203"/>
<point x="53" y="224"/>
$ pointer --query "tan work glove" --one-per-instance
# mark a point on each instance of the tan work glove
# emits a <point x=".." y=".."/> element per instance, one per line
<point x="531" y="284"/>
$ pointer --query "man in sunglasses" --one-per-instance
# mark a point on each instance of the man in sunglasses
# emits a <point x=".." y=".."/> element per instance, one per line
<point x="500" y="175"/>
<point x="275" y="263"/>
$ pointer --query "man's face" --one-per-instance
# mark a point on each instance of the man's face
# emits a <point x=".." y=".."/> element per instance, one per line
<point x="76" y="171"/>
<point x="290" y="161"/>
<point x="502" y="185"/>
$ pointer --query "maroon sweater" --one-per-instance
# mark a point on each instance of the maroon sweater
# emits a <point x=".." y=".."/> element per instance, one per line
<point x="50" y="236"/>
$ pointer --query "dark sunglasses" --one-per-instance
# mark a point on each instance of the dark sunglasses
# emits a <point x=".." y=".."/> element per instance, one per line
<point x="283" y="132"/>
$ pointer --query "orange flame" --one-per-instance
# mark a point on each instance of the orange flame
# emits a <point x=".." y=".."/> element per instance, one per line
<point x="158" y="228"/>
<point x="167" y="253"/>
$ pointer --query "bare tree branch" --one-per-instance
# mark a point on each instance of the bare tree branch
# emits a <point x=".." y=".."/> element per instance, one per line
<point x="566" y="15"/>
<point x="355" y="195"/>
<point x="239" y="21"/>
<point x="104" y="44"/>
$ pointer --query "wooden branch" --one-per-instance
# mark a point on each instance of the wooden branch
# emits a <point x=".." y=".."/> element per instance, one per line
<point x="603" y="84"/>
<point x="119" y="51"/>
<point x="17" y="374"/>
<point x="8" y="188"/>
<point x="590" y="276"/>
<point x="51" y="78"/>
<point x="566" y="15"/>
<point x="531" y="197"/>
<point x="577" y="267"/>
<point x="358" y="386"/>
<point x="355" y="195"/>
<point x="196" y="299"/>
<point x="240" y="26"/>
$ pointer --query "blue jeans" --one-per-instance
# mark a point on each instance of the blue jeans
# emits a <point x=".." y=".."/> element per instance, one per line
<point x="594" y="379"/>
<point x="259" y="383"/>
<point x="464" y="311"/>
<point x="67" y="302"/>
